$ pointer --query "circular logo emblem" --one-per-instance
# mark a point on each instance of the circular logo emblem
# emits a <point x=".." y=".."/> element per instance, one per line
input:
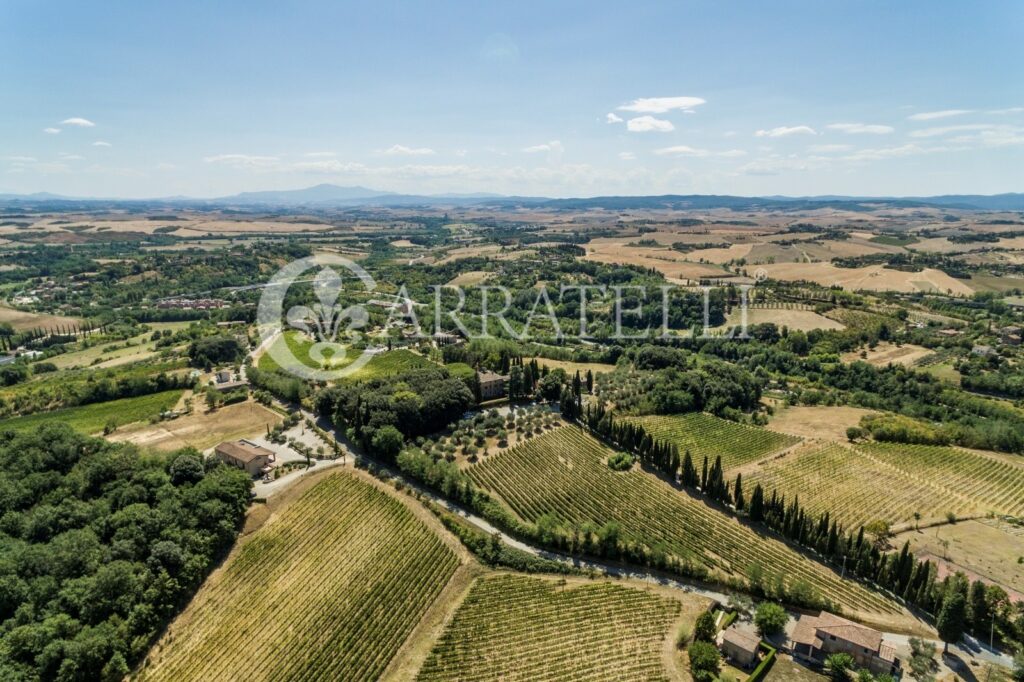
<point x="321" y="341"/>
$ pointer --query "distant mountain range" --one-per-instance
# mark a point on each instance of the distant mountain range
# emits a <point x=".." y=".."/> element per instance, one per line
<point x="328" y="196"/>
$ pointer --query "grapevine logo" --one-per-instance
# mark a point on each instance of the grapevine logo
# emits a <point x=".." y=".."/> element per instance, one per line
<point x="333" y="331"/>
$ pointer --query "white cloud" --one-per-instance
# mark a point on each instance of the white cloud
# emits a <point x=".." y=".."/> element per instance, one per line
<point x="946" y="130"/>
<point x="402" y="150"/>
<point x="892" y="152"/>
<point x="101" y="143"/>
<point x="684" y="150"/>
<point x="932" y="115"/>
<point x="647" y="124"/>
<point x="553" y="146"/>
<point x="613" y="118"/>
<point x="78" y="122"/>
<point x="72" y="157"/>
<point x="861" y="128"/>
<point x="828" y="148"/>
<point x="51" y="131"/>
<point x="1011" y="110"/>
<point x="783" y="131"/>
<point x="319" y="155"/>
<point x="627" y="156"/>
<point x="661" y="105"/>
<point x="21" y="159"/>
<point x="243" y="160"/>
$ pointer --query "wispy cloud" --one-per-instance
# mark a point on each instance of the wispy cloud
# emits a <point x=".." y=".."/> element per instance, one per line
<point x="627" y="156"/>
<point x="612" y="117"/>
<point x="684" y="150"/>
<point x="785" y="131"/>
<point x="661" y="105"/>
<point x="946" y="130"/>
<point x="101" y="143"/>
<point x="1010" y="110"/>
<point x="932" y="115"/>
<point x="21" y="159"/>
<point x="72" y="157"/>
<point x="78" y="122"/>
<point x="553" y="146"/>
<point x="648" y="124"/>
<point x="861" y="128"/>
<point x="829" y="148"/>
<point x="243" y="161"/>
<point x="402" y="150"/>
<point x="51" y="131"/>
<point x="319" y="155"/>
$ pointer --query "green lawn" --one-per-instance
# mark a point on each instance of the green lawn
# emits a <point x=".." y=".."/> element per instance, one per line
<point x="92" y="418"/>
<point x="381" y="365"/>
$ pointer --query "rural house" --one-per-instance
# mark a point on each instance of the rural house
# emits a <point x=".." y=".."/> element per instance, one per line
<point x="815" y="637"/>
<point x="254" y="459"/>
<point x="491" y="385"/>
<point x="739" y="646"/>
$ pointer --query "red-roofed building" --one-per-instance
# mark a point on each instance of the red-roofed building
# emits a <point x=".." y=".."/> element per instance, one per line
<point x="815" y="637"/>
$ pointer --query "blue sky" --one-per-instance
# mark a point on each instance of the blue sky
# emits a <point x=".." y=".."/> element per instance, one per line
<point x="532" y="98"/>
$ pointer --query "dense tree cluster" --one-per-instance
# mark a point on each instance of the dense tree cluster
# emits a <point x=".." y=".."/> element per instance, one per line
<point x="417" y="403"/>
<point x="99" y="547"/>
<point x="211" y="351"/>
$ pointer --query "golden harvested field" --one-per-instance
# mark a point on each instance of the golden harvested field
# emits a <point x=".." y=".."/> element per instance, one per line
<point x="869" y="278"/>
<point x="468" y="279"/>
<point x="201" y="429"/>
<point x="885" y="352"/>
<point x="675" y="266"/>
<point x="803" y="320"/>
<point x="816" y="422"/>
<point x="721" y="254"/>
<point x="572" y="367"/>
<point x="22" y="320"/>
<point x="330" y="587"/>
<point x="470" y="252"/>
<point x="513" y="627"/>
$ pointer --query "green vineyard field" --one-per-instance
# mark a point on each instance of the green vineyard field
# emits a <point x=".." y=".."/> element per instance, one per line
<point x="329" y="590"/>
<point x="520" y="628"/>
<point x="855" y="488"/>
<point x="710" y="436"/>
<point x="564" y="473"/>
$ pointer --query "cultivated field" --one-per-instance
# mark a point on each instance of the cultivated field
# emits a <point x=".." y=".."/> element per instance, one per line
<point x="705" y="435"/>
<point x="328" y="589"/>
<point x="853" y="487"/>
<point x="992" y="482"/>
<point x="94" y="418"/>
<point x="572" y="367"/>
<point x="380" y="365"/>
<point x="513" y="627"/>
<point x="564" y="473"/>
<point x="202" y="430"/>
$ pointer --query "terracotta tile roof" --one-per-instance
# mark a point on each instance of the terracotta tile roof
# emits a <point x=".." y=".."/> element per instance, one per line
<point x="741" y="639"/>
<point x="243" y="451"/>
<point x="809" y="629"/>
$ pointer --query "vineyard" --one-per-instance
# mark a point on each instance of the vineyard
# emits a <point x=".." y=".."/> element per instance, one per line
<point x="93" y="418"/>
<point x="520" y="628"/>
<point x="329" y="590"/>
<point x="993" y="483"/>
<point x="564" y="473"/>
<point x="854" y="488"/>
<point x="705" y="435"/>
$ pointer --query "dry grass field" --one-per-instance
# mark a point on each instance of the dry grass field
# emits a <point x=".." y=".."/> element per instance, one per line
<point x="22" y="320"/>
<point x="675" y="266"/>
<point x="468" y="279"/>
<point x="572" y="367"/>
<point x="202" y="429"/>
<point x="885" y="353"/>
<point x="816" y="422"/>
<point x="869" y="278"/>
<point x="986" y="548"/>
<point x="803" y="320"/>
